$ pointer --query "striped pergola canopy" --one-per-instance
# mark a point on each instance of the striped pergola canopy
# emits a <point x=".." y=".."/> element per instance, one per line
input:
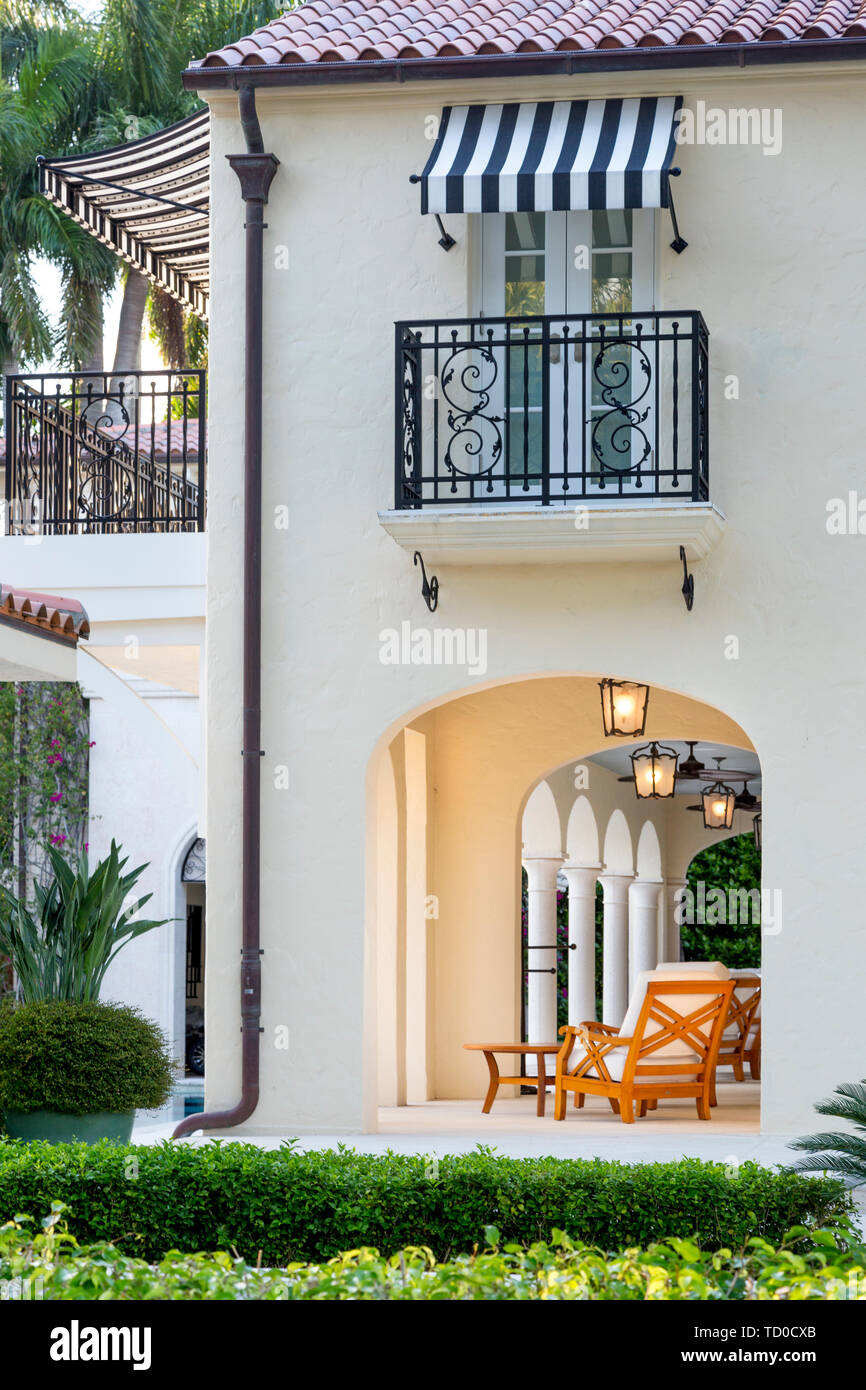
<point x="552" y="156"/>
<point x="148" y="201"/>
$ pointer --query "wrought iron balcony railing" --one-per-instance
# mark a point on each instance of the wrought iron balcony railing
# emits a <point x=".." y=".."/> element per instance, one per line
<point x="552" y="410"/>
<point x="91" y="453"/>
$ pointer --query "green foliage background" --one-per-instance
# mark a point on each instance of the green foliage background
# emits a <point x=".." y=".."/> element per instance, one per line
<point x="44" y="763"/>
<point x="731" y="864"/>
<point x="49" y="1264"/>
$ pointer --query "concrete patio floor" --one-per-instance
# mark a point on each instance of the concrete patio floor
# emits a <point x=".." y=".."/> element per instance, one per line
<point x="512" y="1128"/>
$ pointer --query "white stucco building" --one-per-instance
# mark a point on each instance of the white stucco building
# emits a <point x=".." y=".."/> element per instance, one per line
<point x="414" y="761"/>
<point x="139" y="670"/>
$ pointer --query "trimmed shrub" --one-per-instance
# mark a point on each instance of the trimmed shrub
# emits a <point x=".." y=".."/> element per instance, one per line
<point x="48" y="1264"/>
<point x="81" y="1059"/>
<point x="311" y="1206"/>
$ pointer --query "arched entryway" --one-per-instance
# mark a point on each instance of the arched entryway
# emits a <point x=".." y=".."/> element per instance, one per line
<point x="194" y="885"/>
<point x="467" y="794"/>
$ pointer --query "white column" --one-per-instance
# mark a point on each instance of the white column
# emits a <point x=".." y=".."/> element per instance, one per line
<point x="582" y="880"/>
<point x="615" y="963"/>
<point x="643" y="927"/>
<point x="673" y="887"/>
<point x="541" y="931"/>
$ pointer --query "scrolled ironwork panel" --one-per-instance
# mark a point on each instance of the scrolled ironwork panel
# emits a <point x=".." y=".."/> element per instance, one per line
<point x="622" y="369"/>
<point x="468" y="378"/>
<point x="545" y="410"/>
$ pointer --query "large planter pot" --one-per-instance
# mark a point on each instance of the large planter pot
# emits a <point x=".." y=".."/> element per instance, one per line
<point x="58" y="1128"/>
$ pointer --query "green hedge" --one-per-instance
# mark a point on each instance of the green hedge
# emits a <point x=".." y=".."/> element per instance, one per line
<point x="82" y="1058"/>
<point x="48" y="1264"/>
<point x="312" y="1206"/>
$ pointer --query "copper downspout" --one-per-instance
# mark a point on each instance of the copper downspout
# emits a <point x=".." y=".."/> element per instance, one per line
<point x="255" y="170"/>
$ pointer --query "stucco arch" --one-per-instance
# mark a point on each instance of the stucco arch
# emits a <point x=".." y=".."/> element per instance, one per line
<point x="649" y="855"/>
<point x="582" y="833"/>
<point x="618" y="850"/>
<point x="542" y="831"/>
<point x="445" y="864"/>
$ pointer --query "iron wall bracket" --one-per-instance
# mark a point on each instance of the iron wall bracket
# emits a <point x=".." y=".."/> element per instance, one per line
<point x="688" y="589"/>
<point x="446" y="240"/>
<point x="679" y="243"/>
<point x="429" y="587"/>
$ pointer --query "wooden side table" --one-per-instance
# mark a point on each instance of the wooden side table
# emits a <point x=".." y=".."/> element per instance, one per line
<point x="539" y="1051"/>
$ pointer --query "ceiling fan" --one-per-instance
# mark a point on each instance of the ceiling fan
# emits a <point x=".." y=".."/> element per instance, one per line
<point x="691" y="769"/>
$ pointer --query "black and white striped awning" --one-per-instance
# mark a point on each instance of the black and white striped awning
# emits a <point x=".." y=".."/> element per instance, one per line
<point x="550" y="156"/>
<point x="148" y="201"/>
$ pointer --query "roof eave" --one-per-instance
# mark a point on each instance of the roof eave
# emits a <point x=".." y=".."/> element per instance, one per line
<point x="794" y="51"/>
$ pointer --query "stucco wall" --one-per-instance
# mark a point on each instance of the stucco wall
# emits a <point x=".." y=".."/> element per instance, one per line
<point x="144" y="793"/>
<point x="775" y="263"/>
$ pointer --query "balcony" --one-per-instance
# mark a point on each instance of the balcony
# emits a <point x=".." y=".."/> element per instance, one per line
<point x="546" y="437"/>
<point x="93" y="454"/>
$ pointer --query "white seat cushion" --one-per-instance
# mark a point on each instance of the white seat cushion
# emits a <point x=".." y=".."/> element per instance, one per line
<point x="699" y="968"/>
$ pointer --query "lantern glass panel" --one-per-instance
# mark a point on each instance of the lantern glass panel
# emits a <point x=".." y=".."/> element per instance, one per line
<point x="624" y="707"/>
<point x="718" y="802"/>
<point x="655" y="771"/>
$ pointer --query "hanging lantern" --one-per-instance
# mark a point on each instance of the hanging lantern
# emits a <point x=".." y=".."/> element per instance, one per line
<point x="756" y="826"/>
<point x="623" y="707"/>
<point x="718" y="803"/>
<point x="655" y="771"/>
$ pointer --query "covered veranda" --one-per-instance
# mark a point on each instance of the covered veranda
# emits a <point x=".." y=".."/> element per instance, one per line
<point x="520" y="889"/>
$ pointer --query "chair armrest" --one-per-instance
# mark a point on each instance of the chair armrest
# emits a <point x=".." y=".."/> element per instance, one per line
<point x="592" y="1035"/>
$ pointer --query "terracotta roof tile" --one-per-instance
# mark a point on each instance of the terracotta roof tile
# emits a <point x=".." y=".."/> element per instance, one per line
<point x="327" y="31"/>
<point x="45" y="614"/>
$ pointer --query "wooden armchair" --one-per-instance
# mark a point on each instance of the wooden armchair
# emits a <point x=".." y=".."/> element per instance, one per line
<point x="667" y="1047"/>
<point x="742" y="1023"/>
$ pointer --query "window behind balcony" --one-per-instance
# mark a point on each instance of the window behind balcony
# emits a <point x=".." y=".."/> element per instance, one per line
<point x="566" y="264"/>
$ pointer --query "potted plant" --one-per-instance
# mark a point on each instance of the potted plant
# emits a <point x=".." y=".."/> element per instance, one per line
<point x="69" y="1065"/>
<point x="79" y="1071"/>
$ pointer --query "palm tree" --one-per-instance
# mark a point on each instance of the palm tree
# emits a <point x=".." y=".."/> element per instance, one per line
<point x="144" y="46"/>
<point x="838" y="1151"/>
<point x="47" y="96"/>
<point x="69" y="86"/>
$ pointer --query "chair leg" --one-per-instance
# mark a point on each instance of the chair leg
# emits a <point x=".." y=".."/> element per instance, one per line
<point x="653" y="1104"/>
<point x="560" y="1101"/>
<point x="755" y="1066"/>
<point x="703" y="1104"/>
<point x="614" y="1105"/>
<point x="737" y="1065"/>
<point x="579" y="1098"/>
<point x="626" y="1110"/>
<point x="714" y="1100"/>
<point x="541" y="1088"/>
<point x="641" y="1108"/>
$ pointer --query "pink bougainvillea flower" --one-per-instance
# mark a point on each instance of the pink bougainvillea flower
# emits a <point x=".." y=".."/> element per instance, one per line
<point x="56" y="796"/>
<point x="57" y="839"/>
